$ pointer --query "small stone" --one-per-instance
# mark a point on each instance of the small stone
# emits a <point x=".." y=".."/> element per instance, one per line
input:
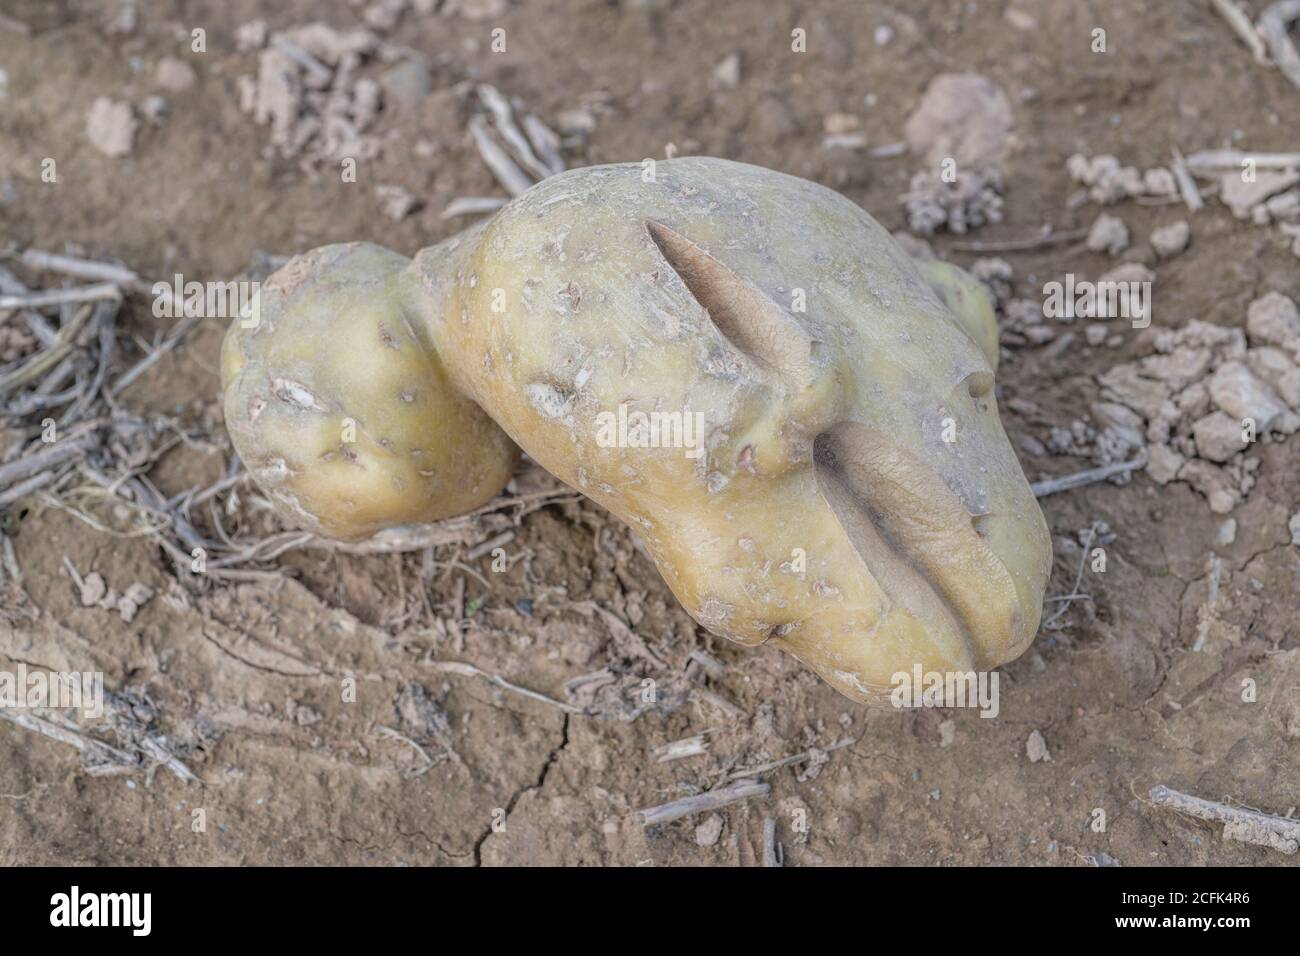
<point x="1193" y="402"/>
<point x="1163" y="464"/>
<point x="1082" y="169"/>
<point x="251" y="36"/>
<point x="936" y="201"/>
<point x="726" y="75"/>
<point x="1020" y="19"/>
<point x="1170" y="240"/>
<point x="1160" y="427"/>
<point x="1223" y="500"/>
<point x="962" y="116"/>
<point x="398" y="203"/>
<point x="1036" y="748"/>
<point x="1107" y="179"/>
<point x="1218" y="437"/>
<point x="1268" y="363"/>
<point x="174" y="75"/>
<point x="1288" y="423"/>
<point x="1146" y="396"/>
<point x="1213" y="482"/>
<point x="1226" y="533"/>
<point x="110" y="127"/>
<point x="1095" y="334"/>
<point x="1236" y="390"/>
<point x="839" y="123"/>
<point x="136" y="597"/>
<point x="1128" y="272"/>
<point x="1108" y="234"/>
<point x="1159" y="182"/>
<point x="384" y="15"/>
<point x="154" y="108"/>
<point x="1241" y="196"/>
<point x="1285" y="207"/>
<point x="1180" y="368"/>
<point x="93" y="589"/>
<point x="1293" y="526"/>
<point x="708" y="832"/>
<point x="997" y="277"/>
<point x="576" y="122"/>
<point x="1274" y="367"/>
<point x="1032" y="446"/>
<point x="1113" y="414"/>
<point x="1273" y="319"/>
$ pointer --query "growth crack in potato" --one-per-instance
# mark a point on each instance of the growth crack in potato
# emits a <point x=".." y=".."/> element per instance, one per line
<point x="795" y="417"/>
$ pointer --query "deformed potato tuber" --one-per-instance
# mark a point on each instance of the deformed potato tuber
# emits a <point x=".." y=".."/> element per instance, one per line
<point x="795" y="417"/>
<point x="341" y="409"/>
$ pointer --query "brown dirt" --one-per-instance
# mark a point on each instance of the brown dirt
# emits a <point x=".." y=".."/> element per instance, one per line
<point x="247" y="678"/>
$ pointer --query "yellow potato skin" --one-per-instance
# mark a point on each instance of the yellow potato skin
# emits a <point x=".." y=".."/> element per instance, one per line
<point x="342" y="412"/>
<point x="969" y="304"/>
<point x="829" y="511"/>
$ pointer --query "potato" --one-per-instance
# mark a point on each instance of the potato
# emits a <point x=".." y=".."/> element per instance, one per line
<point x="342" y="411"/>
<point x="795" y="418"/>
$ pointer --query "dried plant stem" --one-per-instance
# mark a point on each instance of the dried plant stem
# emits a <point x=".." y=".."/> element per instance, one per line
<point x="773" y="855"/>
<point x="182" y="329"/>
<point x="787" y="761"/>
<point x="1186" y="185"/>
<point x="1215" y="161"/>
<point x="1272" y="25"/>
<point x="472" y="205"/>
<point x="701" y="803"/>
<point x="87" y="269"/>
<point x="42" y="362"/>
<point x="1241" y="25"/>
<point x="48" y="297"/>
<point x="51" y="456"/>
<point x="1050" y="486"/>
<point x="505" y="169"/>
<point x="1044" y="239"/>
<point x="1246" y="826"/>
<point x="469" y="670"/>
<point x="504" y="120"/>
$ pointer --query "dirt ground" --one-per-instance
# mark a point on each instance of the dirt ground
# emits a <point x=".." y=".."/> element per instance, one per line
<point x="242" y="679"/>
